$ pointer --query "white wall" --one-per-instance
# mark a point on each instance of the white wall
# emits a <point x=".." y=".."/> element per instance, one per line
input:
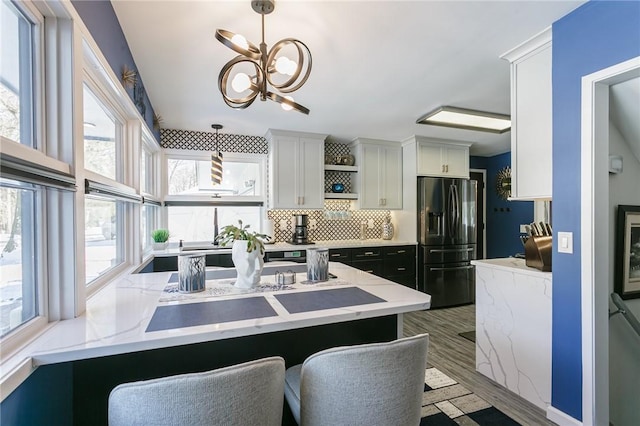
<point x="624" y="344"/>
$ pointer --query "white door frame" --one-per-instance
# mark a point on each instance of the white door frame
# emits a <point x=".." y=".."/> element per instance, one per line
<point x="595" y="227"/>
<point x="484" y="206"/>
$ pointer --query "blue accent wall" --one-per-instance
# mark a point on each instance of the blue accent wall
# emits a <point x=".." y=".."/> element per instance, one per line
<point x="45" y="398"/>
<point x="503" y="217"/>
<point x="595" y="36"/>
<point x="102" y="22"/>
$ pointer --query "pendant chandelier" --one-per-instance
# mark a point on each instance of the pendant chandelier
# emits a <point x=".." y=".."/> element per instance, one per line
<point x="263" y="68"/>
<point x="216" y="160"/>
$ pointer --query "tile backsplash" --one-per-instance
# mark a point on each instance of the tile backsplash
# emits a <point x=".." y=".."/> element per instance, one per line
<point x="336" y="222"/>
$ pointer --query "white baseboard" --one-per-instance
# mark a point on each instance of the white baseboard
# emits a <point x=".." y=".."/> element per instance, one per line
<point x="561" y="418"/>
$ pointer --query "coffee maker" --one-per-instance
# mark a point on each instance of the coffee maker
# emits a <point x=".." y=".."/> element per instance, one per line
<point x="300" y="233"/>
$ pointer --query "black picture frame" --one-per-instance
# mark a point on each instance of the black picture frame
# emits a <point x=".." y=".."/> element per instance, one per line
<point x="627" y="259"/>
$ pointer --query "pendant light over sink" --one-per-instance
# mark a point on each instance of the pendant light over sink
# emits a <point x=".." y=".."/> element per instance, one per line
<point x="216" y="160"/>
<point x="255" y="69"/>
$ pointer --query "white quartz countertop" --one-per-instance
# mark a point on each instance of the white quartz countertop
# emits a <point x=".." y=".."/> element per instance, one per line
<point x="511" y="264"/>
<point x="282" y="246"/>
<point x="117" y="316"/>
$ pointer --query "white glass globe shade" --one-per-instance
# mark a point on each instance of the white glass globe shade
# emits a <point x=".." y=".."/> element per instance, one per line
<point x="239" y="40"/>
<point x="285" y="106"/>
<point x="240" y="82"/>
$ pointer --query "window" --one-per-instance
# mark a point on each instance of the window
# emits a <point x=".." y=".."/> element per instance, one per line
<point x="17" y="75"/>
<point x="192" y="198"/>
<point x="18" y="269"/>
<point x="101" y="137"/>
<point x="193" y="177"/>
<point x="103" y="225"/>
<point x="148" y="222"/>
<point x="195" y="223"/>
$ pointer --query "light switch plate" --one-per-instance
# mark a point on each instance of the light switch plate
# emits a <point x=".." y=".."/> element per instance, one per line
<point x="565" y="242"/>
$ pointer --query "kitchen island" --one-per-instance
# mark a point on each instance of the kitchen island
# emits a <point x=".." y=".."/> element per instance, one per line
<point x="513" y="327"/>
<point x="115" y="340"/>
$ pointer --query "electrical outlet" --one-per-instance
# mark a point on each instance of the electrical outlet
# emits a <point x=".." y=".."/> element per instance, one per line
<point x="284" y="223"/>
<point x="370" y="223"/>
<point x="313" y="224"/>
<point x="523" y="229"/>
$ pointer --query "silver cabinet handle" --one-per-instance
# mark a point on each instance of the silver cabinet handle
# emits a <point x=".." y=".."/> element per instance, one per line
<point x="455" y="268"/>
<point x="335" y="255"/>
<point x="370" y="271"/>
<point x="447" y="167"/>
<point x="402" y="269"/>
<point x="368" y="253"/>
<point x="443" y="168"/>
<point x="450" y="250"/>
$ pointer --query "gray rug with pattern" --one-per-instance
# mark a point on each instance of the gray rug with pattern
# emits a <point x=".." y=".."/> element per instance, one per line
<point x="446" y="402"/>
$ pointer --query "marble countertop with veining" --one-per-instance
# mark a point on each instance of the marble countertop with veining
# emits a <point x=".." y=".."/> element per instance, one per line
<point x="117" y="316"/>
<point x="283" y="246"/>
<point x="511" y="264"/>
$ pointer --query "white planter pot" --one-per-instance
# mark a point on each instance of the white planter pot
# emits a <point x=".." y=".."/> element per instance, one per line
<point x="248" y="265"/>
<point x="160" y="246"/>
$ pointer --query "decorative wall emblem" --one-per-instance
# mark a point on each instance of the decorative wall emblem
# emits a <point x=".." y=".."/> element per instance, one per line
<point x="503" y="183"/>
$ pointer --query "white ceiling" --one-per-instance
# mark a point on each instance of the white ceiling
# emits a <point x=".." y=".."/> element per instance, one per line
<point x="625" y="110"/>
<point x="377" y="65"/>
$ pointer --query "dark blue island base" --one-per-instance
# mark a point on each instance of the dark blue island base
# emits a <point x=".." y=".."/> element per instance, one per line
<point x="93" y="379"/>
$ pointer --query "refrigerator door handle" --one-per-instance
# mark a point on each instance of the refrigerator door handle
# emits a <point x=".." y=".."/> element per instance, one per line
<point x="456" y="212"/>
<point x="450" y="250"/>
<point x="453" y="268"/>
<point x="450" y="210"/>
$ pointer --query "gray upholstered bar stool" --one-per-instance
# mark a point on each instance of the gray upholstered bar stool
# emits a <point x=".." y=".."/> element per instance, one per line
<point x="372" y="384"/>
<point x="243" y="394"/>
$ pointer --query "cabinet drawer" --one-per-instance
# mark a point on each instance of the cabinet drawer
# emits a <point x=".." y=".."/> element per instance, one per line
<point x="340" y="255"/>
<point x="366" y="253"/>
<point x="374" y="267"/>
<point x="399" y="267"/>
<point x="405" y="280"/>
<point x="399" y="251"/>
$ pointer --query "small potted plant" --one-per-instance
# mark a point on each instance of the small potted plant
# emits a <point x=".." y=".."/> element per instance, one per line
<point x="160" y="237"/>
<point x="247" y="252"/>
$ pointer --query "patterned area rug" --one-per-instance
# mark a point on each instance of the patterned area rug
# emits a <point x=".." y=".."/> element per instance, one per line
<point x="446" y="402"/>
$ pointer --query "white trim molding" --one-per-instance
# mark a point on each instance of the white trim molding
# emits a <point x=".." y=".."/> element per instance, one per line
<point x="561" y="418"/>
<point x="594" y="259"/>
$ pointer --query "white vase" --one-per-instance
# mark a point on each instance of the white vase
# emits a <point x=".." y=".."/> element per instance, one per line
<point x="248" y="264"/>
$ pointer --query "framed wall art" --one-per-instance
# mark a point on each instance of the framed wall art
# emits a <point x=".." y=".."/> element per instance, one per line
<point x="627" y="259"/>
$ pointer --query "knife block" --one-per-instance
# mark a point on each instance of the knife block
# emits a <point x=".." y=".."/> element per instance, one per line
<point x="537" y="253"/>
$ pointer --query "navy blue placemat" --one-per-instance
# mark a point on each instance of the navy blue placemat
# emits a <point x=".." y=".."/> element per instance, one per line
<point x="221" y="274"/>
<point x="326" y="299"/>
<point x="192" y="314"/>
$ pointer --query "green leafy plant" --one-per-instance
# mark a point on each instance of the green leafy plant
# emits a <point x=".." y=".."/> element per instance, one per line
<point x="160" y="235"/>
<point x="231" y="233"/>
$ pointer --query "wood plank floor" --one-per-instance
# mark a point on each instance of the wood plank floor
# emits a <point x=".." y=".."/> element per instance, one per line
<point x="455" y="356"/>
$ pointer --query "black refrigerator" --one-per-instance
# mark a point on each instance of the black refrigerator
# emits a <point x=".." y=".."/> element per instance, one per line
<point x="447" y="238"/>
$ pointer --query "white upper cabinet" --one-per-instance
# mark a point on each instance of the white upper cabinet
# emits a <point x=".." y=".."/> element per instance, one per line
<point x="531" y="118"/>
<point x="379" y="178"/>
<point x="296" y="170"/>
<point x="442" y="158"/>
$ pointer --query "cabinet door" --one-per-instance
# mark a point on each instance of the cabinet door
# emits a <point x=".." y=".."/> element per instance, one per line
<point x="392" y="178"/>
<point x="531" y="147"/>
<point x="370" y="170"/>
<point x="284" y="166"/>
<point x="457" y="162"/>
<point x="430" y="161"/>
<point x="311" y="174"/>
<point x="380" y="177"/>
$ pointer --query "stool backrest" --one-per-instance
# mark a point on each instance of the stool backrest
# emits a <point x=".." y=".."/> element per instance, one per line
<point x="243" y="394"/>
<point x="372" y="384"/>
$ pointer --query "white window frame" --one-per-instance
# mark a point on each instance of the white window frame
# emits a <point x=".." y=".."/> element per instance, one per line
<point x="54" y="275"/>
<point x="203" y="199"/>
